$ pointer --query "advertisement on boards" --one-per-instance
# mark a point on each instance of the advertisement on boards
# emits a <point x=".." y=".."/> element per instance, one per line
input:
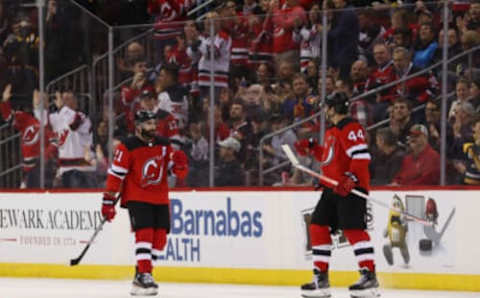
<point x="401" y="243"/>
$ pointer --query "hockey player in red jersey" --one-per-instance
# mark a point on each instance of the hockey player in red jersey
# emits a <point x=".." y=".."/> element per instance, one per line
<point x="345" y="158"/>
<point x="138" y="175"/>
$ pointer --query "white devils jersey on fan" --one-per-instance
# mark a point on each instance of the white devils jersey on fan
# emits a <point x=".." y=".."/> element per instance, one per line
<point x="74" y="132"/>
<point x="178" y="109"/>
<point x="222" y="45"/>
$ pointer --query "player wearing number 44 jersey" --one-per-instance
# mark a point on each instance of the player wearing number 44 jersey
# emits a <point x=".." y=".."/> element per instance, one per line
<point x="344" y="157"/>
<point x="139" y="173"/>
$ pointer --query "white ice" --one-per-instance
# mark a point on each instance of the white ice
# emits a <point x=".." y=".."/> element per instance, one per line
<point x="67" y="288"/>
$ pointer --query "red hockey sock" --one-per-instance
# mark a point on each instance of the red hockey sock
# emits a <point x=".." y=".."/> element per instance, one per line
<point x="143" y="249"/>
<point x="159" y="241"/>
<point x="321" y="246"/>
<point x="362" y="247"/>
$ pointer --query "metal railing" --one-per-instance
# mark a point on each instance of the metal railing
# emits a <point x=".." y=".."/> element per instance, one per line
<point x="11" y="173"/>
<point x="263" y="171"/>
<point x="100" y="67"/>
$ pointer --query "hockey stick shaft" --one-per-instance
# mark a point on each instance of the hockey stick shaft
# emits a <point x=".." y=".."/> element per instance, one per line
<point x="77" y="260"/>
<point x="293" y="159"/>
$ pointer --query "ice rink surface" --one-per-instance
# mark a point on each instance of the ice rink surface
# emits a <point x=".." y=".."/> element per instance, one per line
<point x="67" y="288"/>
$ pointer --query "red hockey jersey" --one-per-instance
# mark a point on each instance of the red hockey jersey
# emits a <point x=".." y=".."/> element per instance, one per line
<point x="143" y="169"/>
<point x="29" y="128"/>
<point x="169" y="17"/>
<point x="345" y="149"/>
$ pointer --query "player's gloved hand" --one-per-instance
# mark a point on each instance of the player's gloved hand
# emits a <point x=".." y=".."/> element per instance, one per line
<point x="304" y="146"/>
<point x="180" y="164"/>
<point x="108" y="207"/>
<point x="346" y="184"/>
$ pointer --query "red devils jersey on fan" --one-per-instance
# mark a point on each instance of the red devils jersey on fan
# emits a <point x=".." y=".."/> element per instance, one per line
<point x="169" y="15"/>
<point x="143" y="168"/>
<point x="345" y="150"/>
<point x="167" y="125"/>
<point x="29" y="128"/>
<point x="180" y="58"/>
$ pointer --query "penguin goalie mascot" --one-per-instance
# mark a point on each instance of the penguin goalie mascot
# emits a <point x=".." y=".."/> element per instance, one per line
<point x="396" y="232"/>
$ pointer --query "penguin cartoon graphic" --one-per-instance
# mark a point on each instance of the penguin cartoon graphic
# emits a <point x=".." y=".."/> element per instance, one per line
<point x="396" y="232"/>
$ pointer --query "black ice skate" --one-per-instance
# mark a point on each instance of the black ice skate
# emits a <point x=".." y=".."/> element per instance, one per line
<point x="366" y="286"/>
<point x="318" y="288"/>
<point x="144" y="285"/>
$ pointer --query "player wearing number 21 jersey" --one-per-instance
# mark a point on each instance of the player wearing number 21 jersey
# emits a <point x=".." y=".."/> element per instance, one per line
<point x="138" y="173"/>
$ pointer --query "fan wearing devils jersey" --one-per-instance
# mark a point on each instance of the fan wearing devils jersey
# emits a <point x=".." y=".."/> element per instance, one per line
<point x="344" y="157"/>
<point x="139" y="173"/>
<point x="173" y="98"/>
<point x="29" y="128"/>
<point x="169" y="15"/>
<point x="220" y="65"/>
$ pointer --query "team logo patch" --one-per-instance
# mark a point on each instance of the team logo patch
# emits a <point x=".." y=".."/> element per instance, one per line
<point x="31" y="135"/>
<point x="152" y="171"/>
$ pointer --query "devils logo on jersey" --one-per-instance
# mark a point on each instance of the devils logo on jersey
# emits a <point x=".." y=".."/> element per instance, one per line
<point x="30" y="135"/>
<point x="152" y="171"/>
<point x="330" y="150"/>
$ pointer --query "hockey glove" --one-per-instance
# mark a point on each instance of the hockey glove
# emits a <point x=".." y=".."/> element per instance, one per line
<point x="108" y="206"/>
<point x="180" y="164"/>
<point x="346" y="184"/>
<point x="304" y="146"/>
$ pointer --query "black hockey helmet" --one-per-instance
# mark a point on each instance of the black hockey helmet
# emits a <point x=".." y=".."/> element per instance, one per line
<point x="338" y="100"/>
<point x="144" y="115"/>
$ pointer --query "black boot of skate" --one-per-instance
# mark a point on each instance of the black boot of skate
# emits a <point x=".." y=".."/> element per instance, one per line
<point x="144" y="285"/>
<point x="318" y="288"/>
<point x="366" y="286"/>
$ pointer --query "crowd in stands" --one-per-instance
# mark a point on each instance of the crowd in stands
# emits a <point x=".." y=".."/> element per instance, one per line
<point x="266" y="58"/>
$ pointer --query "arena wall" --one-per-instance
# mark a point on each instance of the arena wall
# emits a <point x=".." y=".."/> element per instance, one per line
<point x="245" y="236"/>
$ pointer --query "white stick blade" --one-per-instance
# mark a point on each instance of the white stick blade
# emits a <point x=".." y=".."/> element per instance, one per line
<point x="290" y="155"/>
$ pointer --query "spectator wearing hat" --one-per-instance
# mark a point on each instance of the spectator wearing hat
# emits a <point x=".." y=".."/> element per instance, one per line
<point x="229" y="171"/>
<point x="422" y="165"/>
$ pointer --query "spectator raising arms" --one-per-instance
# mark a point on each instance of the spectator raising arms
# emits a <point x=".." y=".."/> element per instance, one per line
<point x="220" y="65"/>
<point x="29" y="128"/>
<point x="74" y="131"/>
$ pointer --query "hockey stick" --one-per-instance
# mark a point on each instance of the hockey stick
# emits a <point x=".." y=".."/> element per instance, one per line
<point x="293" y="159"/>
<point x="77" y="260"/>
